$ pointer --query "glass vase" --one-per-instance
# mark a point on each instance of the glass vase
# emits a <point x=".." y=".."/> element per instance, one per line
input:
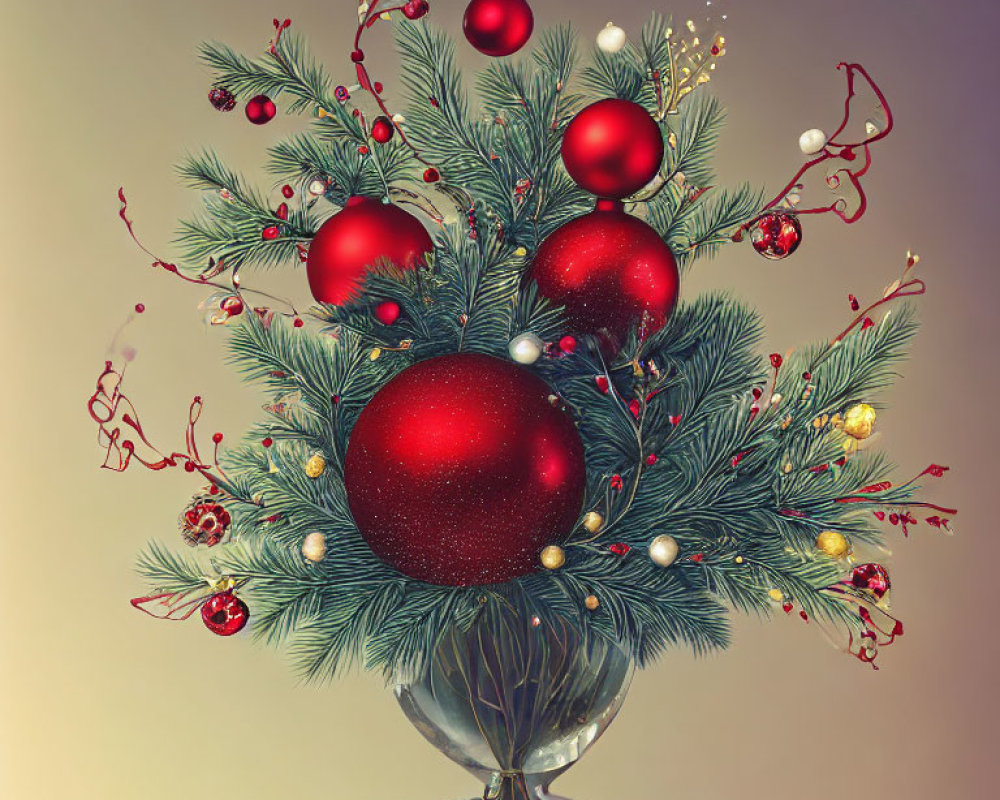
<point x="516" y="701"/>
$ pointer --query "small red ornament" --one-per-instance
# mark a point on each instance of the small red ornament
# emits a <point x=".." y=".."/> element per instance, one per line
<point x="608" y="269"/>
<point x="287" y="192"/>
<point x="612" y="148"/>
<point x="225" y="614"/>
<point x="270" y="233"/>
<point x="357" y="56"/>
<point x="431" y="175"/>
<point x="260" y="109"/>
<point x="364" y="233"/>
<point x="459" y="471"/>
<point x="267" y="441"/>
<point x="498" y="27"/>
<point x="415" y="9"/>
<point x="619" y="548"/>
<point x="217" y="439"/>
<point x="297" y="322"/>
<point x="221" y="99"/>
<point x="387" y="312"/>
<point x="651" y="459"/>
<point x="204" y="522"/>
<point x="776" y="236"/>
<point x="603" y="386"/>
<point x="282" y="211"/>
<point x="616" y="482"/>
<point x="382" y="129"/>
<point x="871" y="577"/>
<point x="776" y="360"/>
<point x="568" y="345"/>
<point x="139" y="308"/>
<point x="232" y="306"/>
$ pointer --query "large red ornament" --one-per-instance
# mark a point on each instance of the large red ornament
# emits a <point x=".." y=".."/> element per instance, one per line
<point x="225" y="614"/>
<point x="611" y="271"/>
<point x="364" y="233"/>
<point x="776" y="236"/>
<point x="612" y="148"/>
<point x="498" y="27"/>
<point x="459" y="471"/>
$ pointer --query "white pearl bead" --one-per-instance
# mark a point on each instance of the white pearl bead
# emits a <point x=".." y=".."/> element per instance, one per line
<point x="812" y="141"/>
<point x="663" y="550"/>
<point x="525" y="348"/>
<point x="611" y="38"/>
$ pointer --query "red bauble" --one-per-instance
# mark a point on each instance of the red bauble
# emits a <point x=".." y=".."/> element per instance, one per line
<point x="776" y="236"/>
<point x="498" y="27"/>
<point x="225" y="614"/>
<point x="387" y="312"/>
<point x="382" y="129"/>
<point x="260" y="109"/>
<point x="364" y="233"/>
<point x="610" y="270"/>
<point x="612" y="148"/>
<point x="459" y="471"/>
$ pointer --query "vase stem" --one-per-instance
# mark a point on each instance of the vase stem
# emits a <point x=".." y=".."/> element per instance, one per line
<point x="507" y="786"/>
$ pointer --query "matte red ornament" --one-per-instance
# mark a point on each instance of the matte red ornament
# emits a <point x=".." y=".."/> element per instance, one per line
<point x="871" y="577"/>
<point x="364" y="233"/>
<point x="221" y="99"/>
<point x="776" y="236"/>
<point x="612" y="148"/>
<point x="498" y="27"/>
<point x="225" y="614"/>
<point x="387" y="312"/>
<point x="260" y="109"/>
<point x="608" y="269"/>
<point x="382" y="129"/>
<point x="459" y="471"/>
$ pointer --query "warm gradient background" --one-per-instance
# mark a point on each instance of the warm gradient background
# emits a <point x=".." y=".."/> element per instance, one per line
<point x="100" y="702"/>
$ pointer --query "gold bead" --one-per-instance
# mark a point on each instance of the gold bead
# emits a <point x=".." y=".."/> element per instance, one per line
<point x="776" y="595"/>
<point x="833" y="544"/>
<point x="593" y="521"/>
<point x="314" y="547"/>
<point x="859" y="420"/>
<point x="663" y="550"/>
<point x="553" y="557"/>
<point x="315" y="466"/>
<point x="592" y="602"/>
<point x="738" y="559"/>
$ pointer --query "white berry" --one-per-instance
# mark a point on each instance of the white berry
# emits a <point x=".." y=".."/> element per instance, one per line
<point x="611" y="38"/>
<point x="812" y="141"/>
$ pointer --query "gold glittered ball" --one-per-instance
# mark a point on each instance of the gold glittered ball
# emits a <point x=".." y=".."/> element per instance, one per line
<point x="314" y="547"/>
<point x="553" y="557"/>
<point x="859" y="421"/>
<point x="776" y="595"/>
<point x="593" y="521"/>
<point x="833" y="544"/>
<point x="315" y="466"/>
<point x="663" y="550"/>
<point x="591" y="602"/>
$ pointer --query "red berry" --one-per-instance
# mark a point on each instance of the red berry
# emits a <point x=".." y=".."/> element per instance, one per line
<point x="757" y="392"/>
<point x="616" y="482"/>
<point x="232" y="305"/>
<point x="377" y="87"/>
<point x="867" y="323"/>
<point x="297" y="322"/>
<point x="431" y="175"/>
<point x="633" y="406"/>
<point x="619" y="548"/>
<point x="363" y="150"/>
<point x="189" y="466"/>
<point x="139" y="308"/>
<point x="715" y="50"/>
<point x="287" y="191"/>
<point x="602" y="383"/>
<point x="217" y="438"/>
<point x="568" y="345"/>
<point x="415" y="9"/>
<point x="786" y="607"/>
<point x="270" y="233"/>
<point x="357" y="56"/>
<point x="382" y="130"/>
<point x="267" y="441"/>
<point x="651" y="459"/>
<point x="282" y="211"/>
<point x="776" y="360"/>
<point x="387" y="312"/>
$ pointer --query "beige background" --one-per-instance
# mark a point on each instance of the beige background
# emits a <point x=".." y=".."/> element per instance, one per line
<point x="97" y="701"/>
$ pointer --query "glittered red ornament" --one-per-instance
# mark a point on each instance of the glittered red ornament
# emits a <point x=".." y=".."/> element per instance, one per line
<point x="204" y="522"/>
<point x="260" y="109"/>
<point x="871" y="577"/>
<point x="776" y="236"/>
<point x="225" y="614"/>
<point x="612" y="148"/>
<point x="382" y="129"/>
<point x="459" y="471"/>
<point x="361" y="235"/>
<point x="610" y="270"/>
<point x="221" y="99"/>
<point x="498" y="27"/>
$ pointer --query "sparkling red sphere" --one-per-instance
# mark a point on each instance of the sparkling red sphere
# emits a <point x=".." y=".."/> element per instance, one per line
<point x="612" y="148"/>
<point x="382" y="129"/>
<point x="498" y="27"/>
<point x="260" y="109"/>
<point x="225" y="614"/>
<point x="611" y="271"/>
<point x="364" y="233"/>
<point x="459" y="471"/>
<point x="776" y="236"/>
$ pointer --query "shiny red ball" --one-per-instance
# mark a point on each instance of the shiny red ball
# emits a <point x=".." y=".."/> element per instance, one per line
<point x="498" y="27"/>
<point x="382" y="130"/>
<point x="459" y="471"/>
<point x="387" y="312"/>
<point x="776" y="236"/>
<point x="364" y="233"/>
<point x="260" y="109"/>
<point x="612" y="148"/>
<point x="225" y="614"/>
<point x="610" y="270"/>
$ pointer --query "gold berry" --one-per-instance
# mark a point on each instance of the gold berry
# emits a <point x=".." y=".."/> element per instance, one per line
<point x="776" y="595"/>
<point x="859" y="420"/>
<point x="833" y="544"/>
<point x="315" y="466"/>
<point x="592" y="602"/>
<point x="553" y="557"/>
<point x="593" y="521"/>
